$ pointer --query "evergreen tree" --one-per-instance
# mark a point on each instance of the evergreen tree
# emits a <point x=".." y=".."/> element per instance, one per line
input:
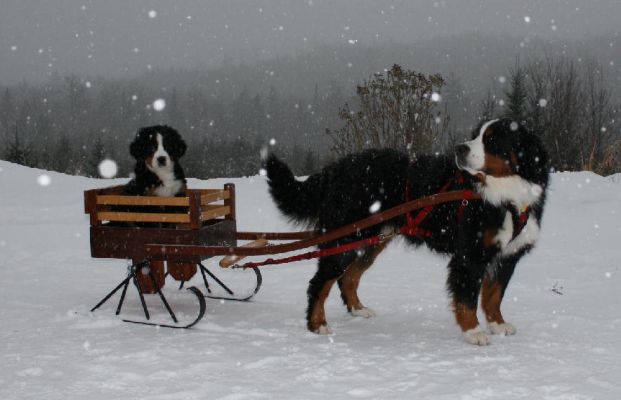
<point x="18" y="152"/>
<point x="97" y="154"/>
<point x="517" y="95"/>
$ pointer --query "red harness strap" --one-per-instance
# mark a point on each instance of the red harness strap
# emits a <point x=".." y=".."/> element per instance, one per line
<point x="319" y="253"/>
<point x="519" y="220"/>
<point x="411" y="228"/>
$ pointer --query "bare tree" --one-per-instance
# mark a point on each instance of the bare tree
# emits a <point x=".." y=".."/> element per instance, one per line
<point x="398" y="110"/>
<point x="595" y="135"/>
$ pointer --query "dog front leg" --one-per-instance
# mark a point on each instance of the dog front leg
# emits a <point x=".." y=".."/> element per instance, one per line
<point x="464" y="284"/>
<point x="492" y="293"/>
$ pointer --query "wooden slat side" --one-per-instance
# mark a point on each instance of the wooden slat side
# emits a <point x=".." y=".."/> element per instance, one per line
<point x="114" y="190"/>
<point x="142" y="201"/>
<point x="211" y="212"/>
<point x="143" y="217"/>
<point x="217" y="195"/>
<point x="230" y="187"/>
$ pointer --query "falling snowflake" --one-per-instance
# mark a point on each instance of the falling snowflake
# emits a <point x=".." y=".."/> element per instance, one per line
<point x="375" y="207"/>
<point x="87" y="84"/>
<point x="513" y="126"/>
<point x="13" y="48"/>
<point x="152" y="14"/>
<point x="108" y="168"/>
<point x="435" y="97"/>
<point x="44" y="180"/>
<point x="159" y="104"/>
<point x="543" y="102"/>
<point x="502" y="79"/>
<point x="263" y="172"/>
<point x="527" y="19"/>
<point x="272" y="142"/>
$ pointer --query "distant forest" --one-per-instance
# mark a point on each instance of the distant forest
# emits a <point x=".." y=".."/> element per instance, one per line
<point x="569" y="92"/>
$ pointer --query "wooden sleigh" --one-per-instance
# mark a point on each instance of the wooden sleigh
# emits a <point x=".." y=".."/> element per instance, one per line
<point x="123" y="226"/>
<point x="172" y="236"/>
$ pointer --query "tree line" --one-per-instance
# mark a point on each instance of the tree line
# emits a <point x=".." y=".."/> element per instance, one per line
<point x="69" y="124"/>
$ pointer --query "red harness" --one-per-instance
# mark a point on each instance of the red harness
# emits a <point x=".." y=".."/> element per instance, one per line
<point x="411" y="228"/>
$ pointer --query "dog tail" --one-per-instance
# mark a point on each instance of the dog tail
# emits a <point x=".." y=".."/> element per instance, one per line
<point x="297" y="200"/>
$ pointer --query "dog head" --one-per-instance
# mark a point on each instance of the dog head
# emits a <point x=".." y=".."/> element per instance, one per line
<point x="504" y="154"/>
<point x="159" y="146"/>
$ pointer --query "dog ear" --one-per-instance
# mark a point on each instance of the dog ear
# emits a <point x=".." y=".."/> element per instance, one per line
<point x="136" y="148"/>
<point x="178" y="144"/>
<point x="532" y="157"/>
<point x="180" y="147"/>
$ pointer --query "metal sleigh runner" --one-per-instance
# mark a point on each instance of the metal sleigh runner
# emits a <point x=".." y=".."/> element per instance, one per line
<point x="172" y="236"/>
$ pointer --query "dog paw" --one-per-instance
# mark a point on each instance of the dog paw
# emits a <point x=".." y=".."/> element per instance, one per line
<point x="476" y="336"/>
<point x="364" y="312"/>
<point x="504" y="329"/>
<point x="323" y="330"/>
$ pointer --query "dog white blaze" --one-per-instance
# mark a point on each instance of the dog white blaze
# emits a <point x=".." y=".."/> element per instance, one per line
<point x="170" y="185"/>
<point x="476" y="157"/>
<point x="160" y="152"/>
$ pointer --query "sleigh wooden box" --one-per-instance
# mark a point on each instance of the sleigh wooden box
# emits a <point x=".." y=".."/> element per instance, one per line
<point x="121" y="227"/>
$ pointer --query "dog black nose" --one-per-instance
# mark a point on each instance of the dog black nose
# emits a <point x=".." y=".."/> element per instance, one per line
<point x="462" y="150"/>
<point x="161" y="161"/>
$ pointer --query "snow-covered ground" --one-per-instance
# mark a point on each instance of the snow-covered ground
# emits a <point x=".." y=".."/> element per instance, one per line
<point x="563" y="299"/>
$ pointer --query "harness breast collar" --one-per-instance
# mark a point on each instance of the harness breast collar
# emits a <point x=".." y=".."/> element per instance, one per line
<point x="412" y="226"/>
<point x="519" y="219"/>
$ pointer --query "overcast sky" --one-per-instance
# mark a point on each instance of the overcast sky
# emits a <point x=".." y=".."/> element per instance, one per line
<point x="126" y="37"/>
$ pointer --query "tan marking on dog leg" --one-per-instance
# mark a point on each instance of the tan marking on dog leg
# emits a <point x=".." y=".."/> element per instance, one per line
<point x="468" y="322"/>
<point x="317" y="322"/>
<point x="491" y="297"/>
<point x="349" y="282"/>
<point x="465" y="316"/>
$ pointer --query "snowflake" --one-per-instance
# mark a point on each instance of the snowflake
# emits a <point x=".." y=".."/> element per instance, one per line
<point x="152" y="14"/>
<point x="159" y="104"/>
<point x="44" y="180"/>
<point x="108" y="168"/>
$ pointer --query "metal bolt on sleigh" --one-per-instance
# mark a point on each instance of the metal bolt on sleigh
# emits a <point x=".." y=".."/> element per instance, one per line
<point x="173" y="236"/>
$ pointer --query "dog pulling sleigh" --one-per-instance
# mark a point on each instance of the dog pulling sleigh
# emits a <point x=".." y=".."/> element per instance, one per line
<point x="161" y="243"/>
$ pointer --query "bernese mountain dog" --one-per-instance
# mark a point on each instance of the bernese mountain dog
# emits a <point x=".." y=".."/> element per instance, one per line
<point x="504" y="162"/>
<point x="157" y="150"/>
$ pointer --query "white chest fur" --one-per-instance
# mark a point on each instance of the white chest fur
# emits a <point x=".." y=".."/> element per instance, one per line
<point x="520" y="193"/>
<point x="169" y="187"/>
<point x="528" y="236"/>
